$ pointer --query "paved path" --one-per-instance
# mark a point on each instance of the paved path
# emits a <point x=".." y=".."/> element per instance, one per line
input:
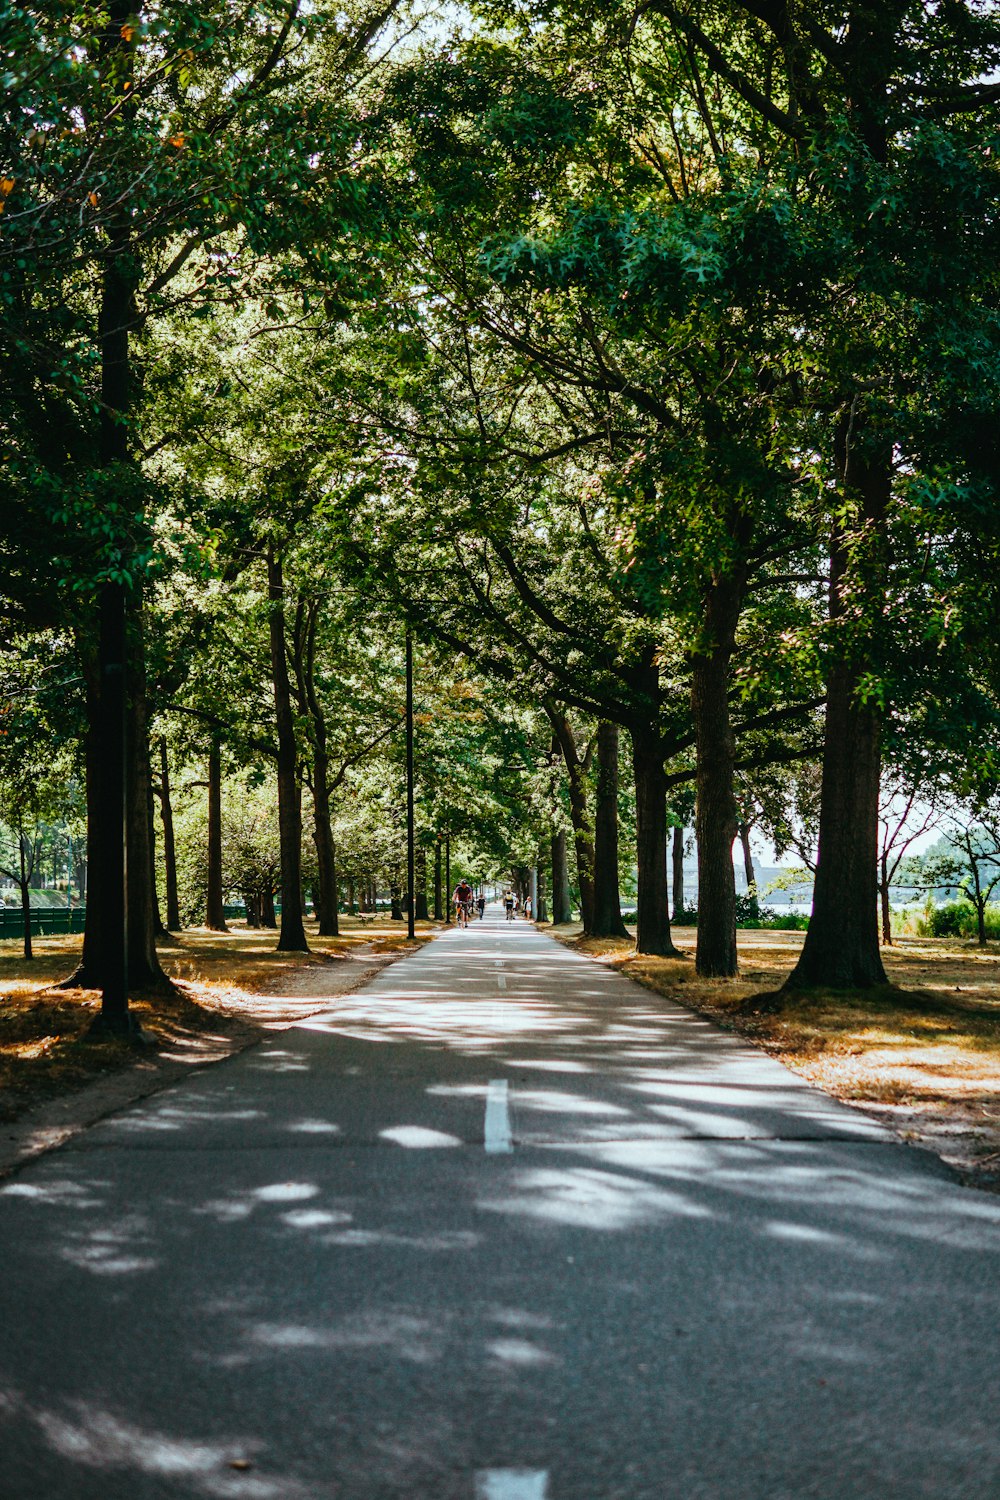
<point x="502" y="1226"/>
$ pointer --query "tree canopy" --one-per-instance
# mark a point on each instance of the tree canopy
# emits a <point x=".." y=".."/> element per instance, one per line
<point x="641" y="364"/>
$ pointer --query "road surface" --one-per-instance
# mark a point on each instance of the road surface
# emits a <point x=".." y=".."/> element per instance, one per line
<point x="501" y="1226"/>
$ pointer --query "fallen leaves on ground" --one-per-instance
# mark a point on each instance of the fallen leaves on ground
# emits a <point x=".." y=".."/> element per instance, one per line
<point x="922" y="1053"/>
<point x="222" y="979"/>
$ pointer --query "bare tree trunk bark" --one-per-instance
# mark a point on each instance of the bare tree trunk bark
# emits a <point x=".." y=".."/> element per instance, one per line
<point x="652" y="914"/>
<point x="677" y="869"/>
<point x="883" y="891"/>
<point x="420" y="909"/>
<point x="169" y="845"/>
<point x="562" y="908"/>
<point x="576" y="769"/>
<point x="749" y="873"/>
<point x="215" y="911"/>
<point x="326" y="851"/>
<point x="144" y="971"/>
<point x="25" y="884"/>
<point x="292" y="937"/>
<point x="841" y="947"/>
<point x="607" y="898"/>
<point x="716" y="814"/>
<point x="542" y="914"/>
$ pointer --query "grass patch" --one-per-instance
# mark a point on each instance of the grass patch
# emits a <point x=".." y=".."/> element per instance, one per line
<point x="45" y="1049"/>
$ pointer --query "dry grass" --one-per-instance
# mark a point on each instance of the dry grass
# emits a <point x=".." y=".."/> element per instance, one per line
<point x="923" y="1052"/>
<point x="45" y="1050"/>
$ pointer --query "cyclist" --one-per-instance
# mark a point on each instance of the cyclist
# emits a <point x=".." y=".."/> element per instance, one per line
<point x="508" y="901"/>
<point x="481" y="903"/>
<point x="463" y="902"/>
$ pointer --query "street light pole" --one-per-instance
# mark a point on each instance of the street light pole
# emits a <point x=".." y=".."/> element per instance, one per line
<point x="410" y="827"/>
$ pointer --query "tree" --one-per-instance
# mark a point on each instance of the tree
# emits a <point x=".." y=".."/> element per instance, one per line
<point x="141" y="139"/>
<point x="971" y="859"/>
<point x="906" y="813"/>
<point x="35" y="776"/>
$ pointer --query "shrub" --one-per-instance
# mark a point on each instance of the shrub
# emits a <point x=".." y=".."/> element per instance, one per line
<point x="764" y="919"/>
<point x="789" y="921"/>
<point x="958" y="919"/>
<point x="685" y="916"/>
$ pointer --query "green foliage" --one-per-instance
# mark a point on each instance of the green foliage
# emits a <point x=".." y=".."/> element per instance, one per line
<point x="958" y="919"/>
<point x="762" y="919"/>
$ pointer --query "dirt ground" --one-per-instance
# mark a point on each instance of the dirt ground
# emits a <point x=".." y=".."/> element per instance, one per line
<point x="230" y="986"/>
<point x="922" y="1054"/>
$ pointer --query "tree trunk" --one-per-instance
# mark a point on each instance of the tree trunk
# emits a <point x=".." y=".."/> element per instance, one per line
<point x="677" y="869"/>
<point x="268" y="915"/>
<point x="562" y="906"/>
<point x="215" y="910"/>
<point x="87" y="973"/>
<point x="576" y="767"/>
<point x="607" y="899"/>
<point x="118" y="819"/>
<point x="109" y="955"/>
<point x="883" y="891"/>
<point x="652" y="915"/>
<point x="542" y="914"/>
<point x="420" y="913"/>
<point x="749" y="874"/>
<point x="438" y="907"/>
<point x="715" y="804"/>
<point x="395" y="904"/>
<point x="292" y="938"/>
<point x="159" y="930"/>
<point x="144" y="971"/>
<point x="25" y="885"/>
<point x="169" y="845"/>
<point x="326" y="850"/>
<point x="841" y="947"/>
<point x="326" y="893"/>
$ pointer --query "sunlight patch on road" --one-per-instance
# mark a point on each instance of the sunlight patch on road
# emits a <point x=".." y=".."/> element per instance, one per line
<point x="418" y="1137"/>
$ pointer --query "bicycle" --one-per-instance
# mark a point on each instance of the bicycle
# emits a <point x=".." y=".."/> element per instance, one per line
<point x="463" y="912"/>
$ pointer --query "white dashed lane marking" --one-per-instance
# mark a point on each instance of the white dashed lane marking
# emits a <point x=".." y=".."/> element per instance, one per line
<point x="512" y="1484"/>
<point x="498" y="1137"/>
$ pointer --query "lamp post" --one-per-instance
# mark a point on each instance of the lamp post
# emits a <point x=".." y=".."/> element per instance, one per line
<point x="410" y="830"/>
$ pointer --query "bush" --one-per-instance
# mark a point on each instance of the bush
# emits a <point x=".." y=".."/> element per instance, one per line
<point x="763" y="919"/>
<point x="958" y="919"/>
<point x="778" y="921"/>
<point x="686" y="916"/>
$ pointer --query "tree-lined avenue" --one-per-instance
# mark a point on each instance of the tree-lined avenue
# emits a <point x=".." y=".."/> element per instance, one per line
<point x="685" y="1273"/>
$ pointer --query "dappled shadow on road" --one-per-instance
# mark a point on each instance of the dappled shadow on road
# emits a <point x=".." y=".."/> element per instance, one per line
<point x="312" y="1267"/>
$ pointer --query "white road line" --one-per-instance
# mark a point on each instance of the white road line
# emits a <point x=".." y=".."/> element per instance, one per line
<point x="511" y="1484"/>
<point x="501" y="981"/>
<point x="498" y="1137"/>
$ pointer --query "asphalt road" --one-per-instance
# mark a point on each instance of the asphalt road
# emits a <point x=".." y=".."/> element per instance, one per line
<point x="501" y="1226"/>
